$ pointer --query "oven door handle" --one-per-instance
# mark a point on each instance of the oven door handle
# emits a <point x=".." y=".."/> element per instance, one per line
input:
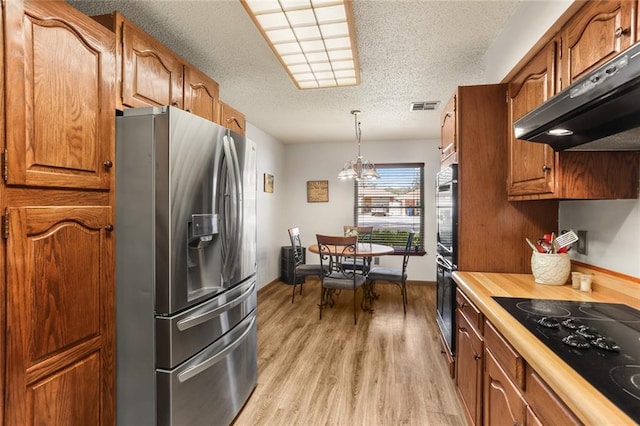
<point x="444" y="263"/>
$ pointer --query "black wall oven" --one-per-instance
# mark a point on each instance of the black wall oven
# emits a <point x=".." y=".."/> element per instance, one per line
<point x="446" y="257"/>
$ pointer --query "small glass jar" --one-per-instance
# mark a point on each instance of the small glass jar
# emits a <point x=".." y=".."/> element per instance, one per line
<point x="585" y="283"/>
<point x="575" y="280"/>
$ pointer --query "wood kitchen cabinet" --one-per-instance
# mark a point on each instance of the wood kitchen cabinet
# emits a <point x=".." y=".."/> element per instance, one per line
<point x="57" y="206"/>
<point x="485" y="216"/>
<point x="469" y="358"/>
<point x="503" y="402"/>
<point x="594" y="35"/>
<point x="513" y="392"/>
<point x="531" y="165"/>
<point x="448" y="133"/>
<point x="201" y="94"/>
<point x="544" y="406"/>
<point x="150" y="74"/>
<point x="60" y="309"/>
<point x="535" y="171"/>
<point x="493" y="381"/>
<point x="232" y="119"/>
<point x="59" y="122"/>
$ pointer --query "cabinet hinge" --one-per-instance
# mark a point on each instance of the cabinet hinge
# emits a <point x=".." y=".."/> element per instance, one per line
<point x="5" y="225"/>
<point x="5" y="165"/>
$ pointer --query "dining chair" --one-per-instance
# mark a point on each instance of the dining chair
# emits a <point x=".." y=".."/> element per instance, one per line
<point x="334" y="252"/>
<point x="394" y="275"/>
<point x="365" y="235"/>
<point x="301" y="269"/>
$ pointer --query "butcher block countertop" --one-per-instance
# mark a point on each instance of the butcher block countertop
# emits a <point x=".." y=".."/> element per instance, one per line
<point x="588" y="404"/>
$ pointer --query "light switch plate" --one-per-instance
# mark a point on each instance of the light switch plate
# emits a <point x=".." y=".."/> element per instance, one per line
<point x="582" y="242"/>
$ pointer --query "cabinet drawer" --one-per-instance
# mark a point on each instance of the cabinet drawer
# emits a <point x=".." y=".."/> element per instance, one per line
<point x="546" y="405"/>
<point x="466" y="307"/>
<point x="510" y="361"/>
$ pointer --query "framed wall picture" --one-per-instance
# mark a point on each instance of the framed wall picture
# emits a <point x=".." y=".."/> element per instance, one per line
<point x="268" y="182"/>
<point x="317" y="191"/>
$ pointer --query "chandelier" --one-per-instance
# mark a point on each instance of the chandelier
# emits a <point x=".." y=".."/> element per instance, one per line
<point x="358" y="169"/>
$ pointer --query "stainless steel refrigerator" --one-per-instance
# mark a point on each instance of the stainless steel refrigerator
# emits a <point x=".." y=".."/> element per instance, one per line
<point x="185" y="269"/>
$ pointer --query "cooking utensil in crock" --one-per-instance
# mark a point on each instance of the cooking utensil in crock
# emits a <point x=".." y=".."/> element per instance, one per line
<point x="564" y="240"/>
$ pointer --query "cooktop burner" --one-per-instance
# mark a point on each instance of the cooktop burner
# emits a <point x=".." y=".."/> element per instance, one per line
<point x="601" y="341"/>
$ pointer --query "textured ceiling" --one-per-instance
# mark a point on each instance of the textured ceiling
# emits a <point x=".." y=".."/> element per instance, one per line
<point x="408" y="51"/>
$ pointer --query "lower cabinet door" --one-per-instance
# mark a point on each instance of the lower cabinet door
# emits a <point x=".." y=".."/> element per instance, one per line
<point x="60" y="316"/>
<point x="469" y="369"/>
<point x="503" y="403"/>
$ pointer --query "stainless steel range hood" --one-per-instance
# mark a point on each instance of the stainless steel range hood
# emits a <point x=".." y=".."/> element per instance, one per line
<point x="599" y="112"/>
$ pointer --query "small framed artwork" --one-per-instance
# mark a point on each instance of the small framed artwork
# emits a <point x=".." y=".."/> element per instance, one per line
<point x="317" y="191"/>
<point x="268" y="182"/>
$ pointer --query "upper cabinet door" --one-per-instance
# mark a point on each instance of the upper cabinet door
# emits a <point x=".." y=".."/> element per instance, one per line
<point x="60" y="80"/>
<point x="151" y="73"/>
<point x="232" y="119"/>
<point x="448" y="136"/>
<point x="201" y="94"/>
<point x="598" y="32"/>
<point x="531" y="168"/>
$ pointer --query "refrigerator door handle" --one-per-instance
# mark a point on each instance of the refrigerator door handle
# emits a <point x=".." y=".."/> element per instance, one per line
<point x="238" y="207"/>
<point x="232" y="207"/>
<point x="201" y="367"/>
<point x="227" y="207"/>
<point x="192" y="321"/>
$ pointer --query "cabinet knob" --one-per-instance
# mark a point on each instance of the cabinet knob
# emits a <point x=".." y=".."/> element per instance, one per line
<point x="176" y="104"/>
<point x="476" y="357"/>
<point x="546" y="168"/>
<point x="108" y="228"/>
<point x="107" y="164"/>
<point x="621" y="31"/>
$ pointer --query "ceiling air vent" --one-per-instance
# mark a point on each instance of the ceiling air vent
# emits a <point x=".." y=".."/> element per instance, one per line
<point x="424" y="106"/>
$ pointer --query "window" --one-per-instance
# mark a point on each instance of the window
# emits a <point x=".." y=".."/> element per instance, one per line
<point x="393" y="205"/>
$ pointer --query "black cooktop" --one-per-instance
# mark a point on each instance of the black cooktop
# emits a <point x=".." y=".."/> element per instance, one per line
<point x="601" y="341"/>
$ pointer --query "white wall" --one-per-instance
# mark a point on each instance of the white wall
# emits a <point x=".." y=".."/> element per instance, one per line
<point x="323" y="162"/>
<point x="614" y="225"/>
<point x="613" y="232"/>
<point x="293" y="165"/>
<point x="269" y="205"/>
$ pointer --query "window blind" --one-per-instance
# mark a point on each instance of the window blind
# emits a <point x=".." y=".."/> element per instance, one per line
<point x="393" y="205"/>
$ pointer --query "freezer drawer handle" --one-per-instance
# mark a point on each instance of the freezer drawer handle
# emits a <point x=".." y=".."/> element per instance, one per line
<point x="192" y="321"/>
<point x="199" y="368"/>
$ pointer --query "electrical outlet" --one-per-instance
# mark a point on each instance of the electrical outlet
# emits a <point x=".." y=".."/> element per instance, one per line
<point x="376" y="260"/>
<point x="582" y="242"/>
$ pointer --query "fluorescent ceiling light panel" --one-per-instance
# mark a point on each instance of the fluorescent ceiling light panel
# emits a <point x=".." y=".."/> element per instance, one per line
<point x="317" y="36"/>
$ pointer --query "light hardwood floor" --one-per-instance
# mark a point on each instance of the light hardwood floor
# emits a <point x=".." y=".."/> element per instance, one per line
<point x="386" y="370"/>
